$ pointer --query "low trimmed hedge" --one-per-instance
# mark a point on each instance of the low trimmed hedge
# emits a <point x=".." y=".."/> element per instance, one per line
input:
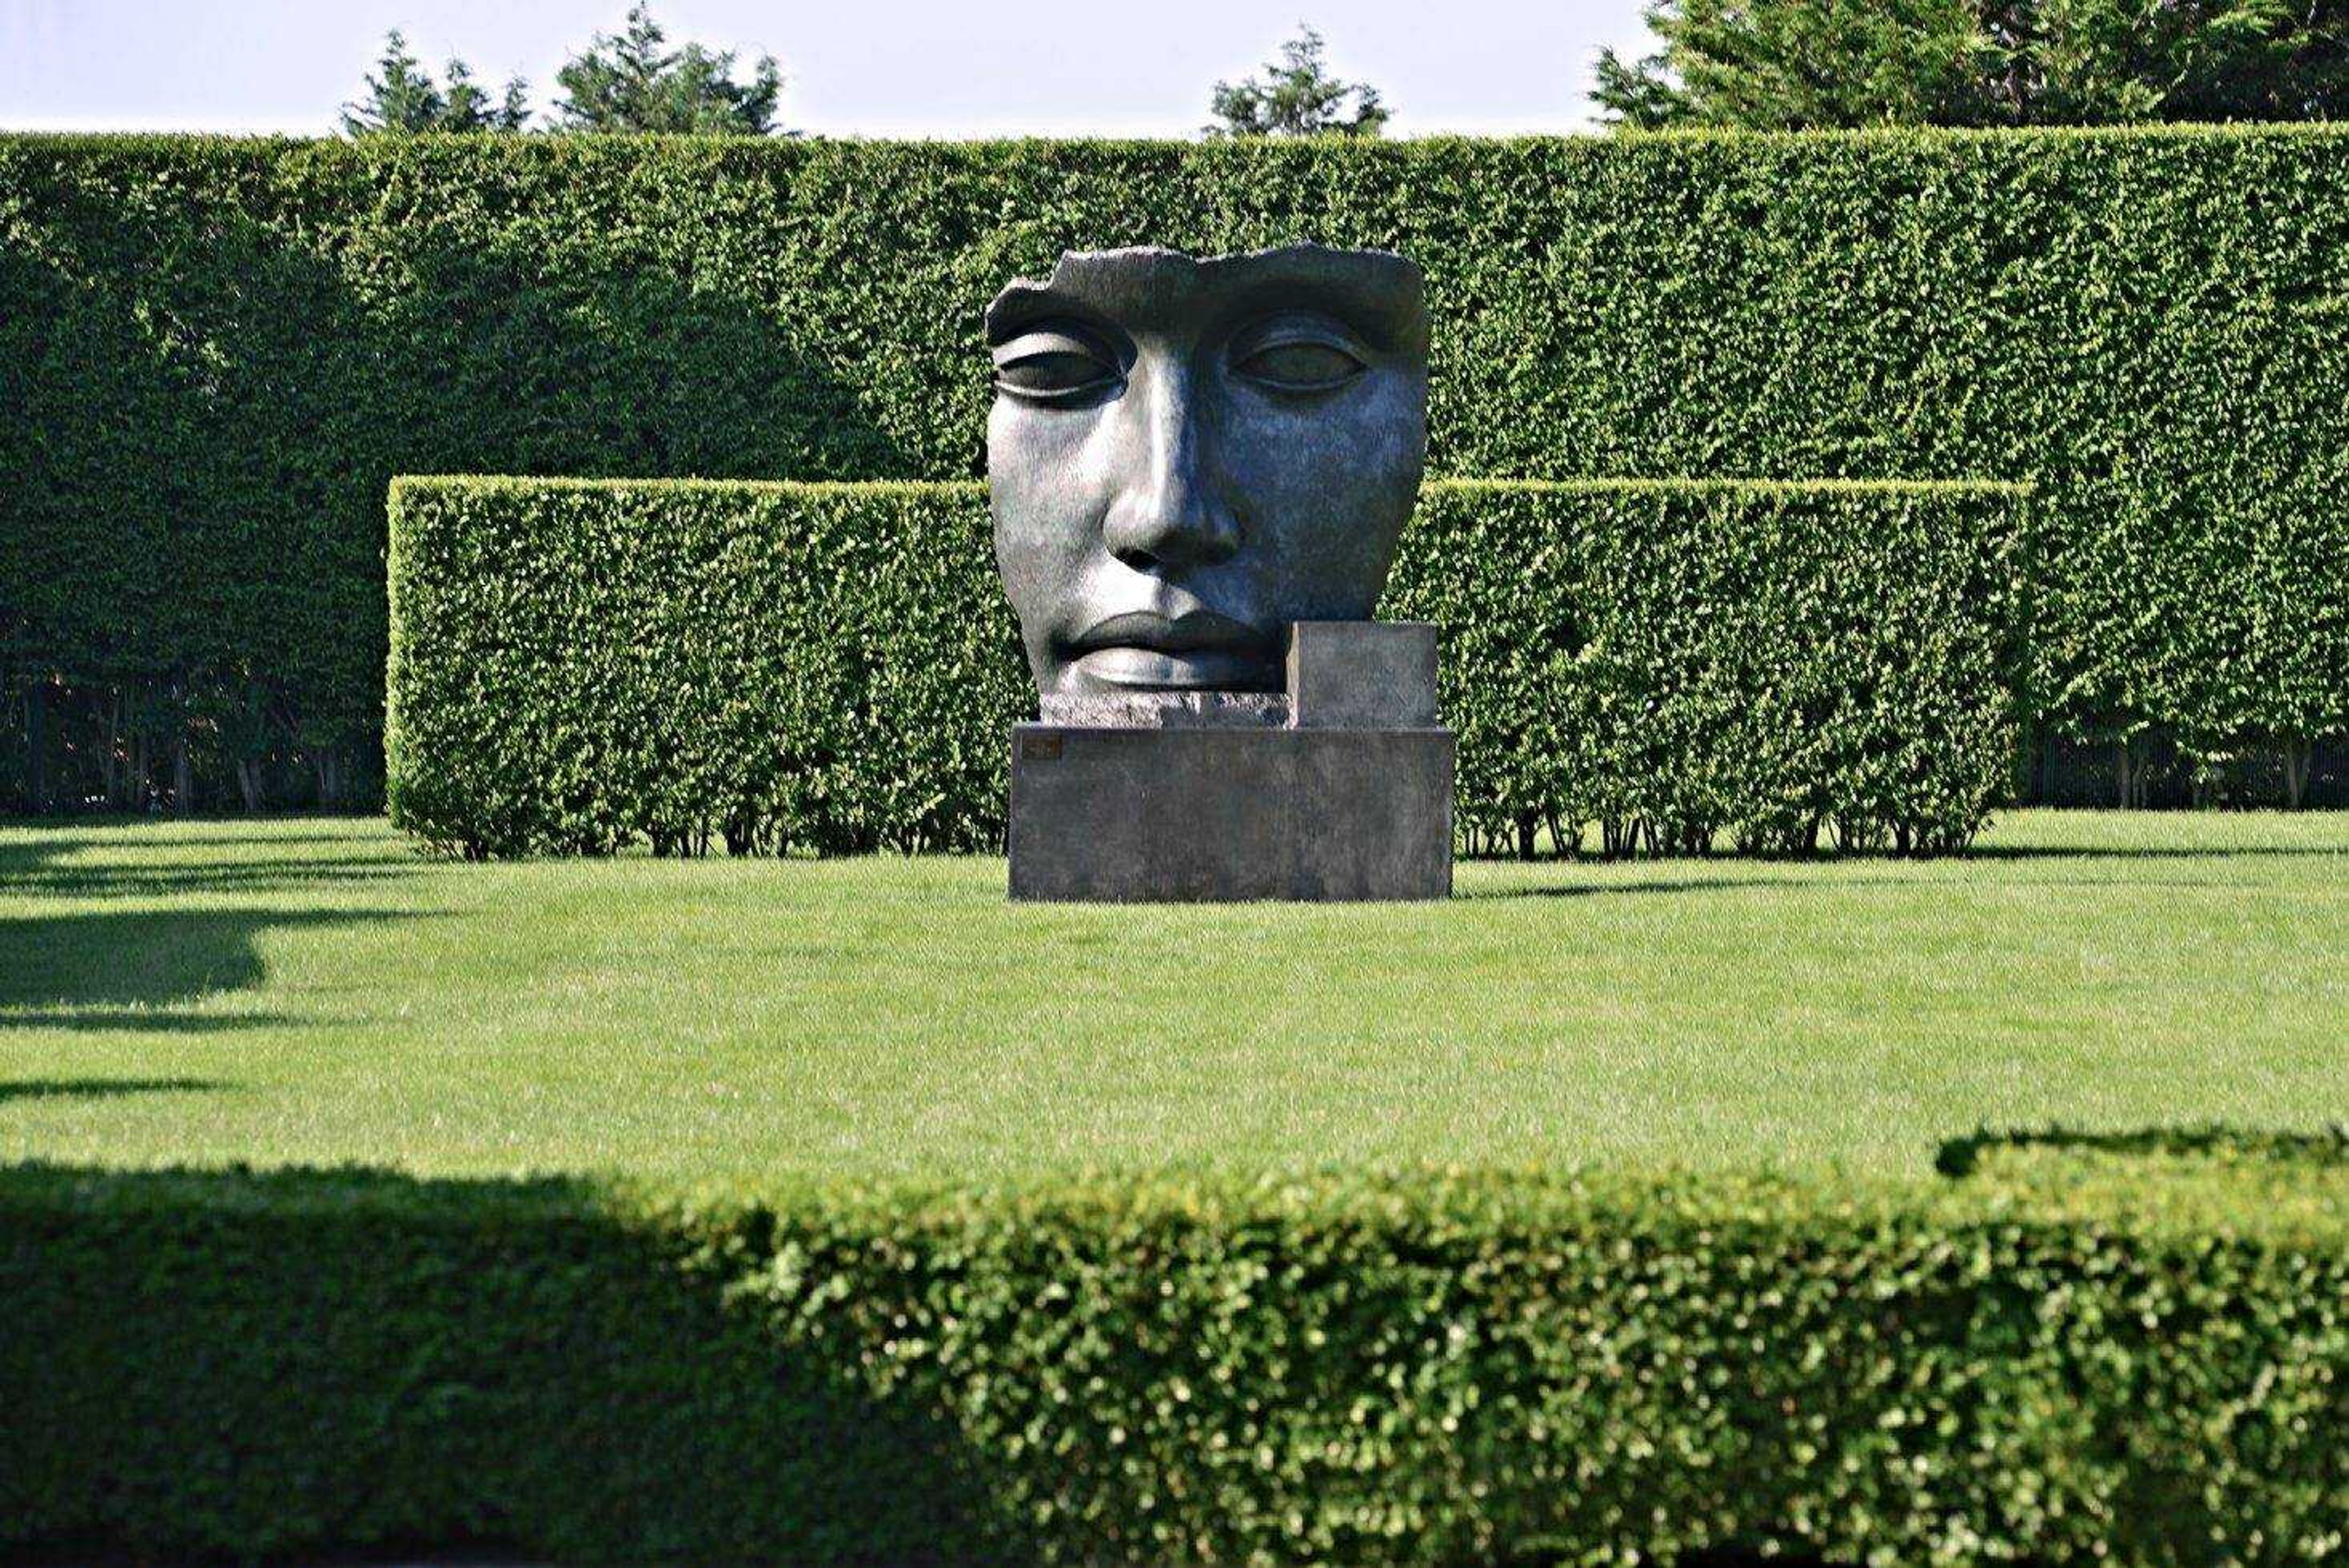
<point x="1677" y="661"/>
<point x="2125" y="1353"/>
<point x="578" y="665"/>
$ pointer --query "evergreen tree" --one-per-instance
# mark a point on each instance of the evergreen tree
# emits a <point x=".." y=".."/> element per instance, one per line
<point x="402" y="99"/>
<point x="1780" y="63"/>
<point x="470" y="107"/>
<point x="1296" y="96"/>
<point x="633" y="82"/>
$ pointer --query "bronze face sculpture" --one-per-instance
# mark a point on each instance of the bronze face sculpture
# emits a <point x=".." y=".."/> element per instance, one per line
<point x="1185" y="456"/>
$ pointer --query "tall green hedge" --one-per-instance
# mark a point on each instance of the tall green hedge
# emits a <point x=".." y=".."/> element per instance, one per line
<point x="215" y="353"/>
<point x="577" y="665"/>
<point x="2125" y="1351"/>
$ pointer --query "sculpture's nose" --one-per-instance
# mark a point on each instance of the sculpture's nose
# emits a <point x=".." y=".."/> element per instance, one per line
<point x="1169" y="513"/>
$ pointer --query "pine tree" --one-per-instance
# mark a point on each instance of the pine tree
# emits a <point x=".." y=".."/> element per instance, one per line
<point x="470" y="107"/>
<point x="1788" y="64"/>
<point x="1296" y="95"/>
<point x="633" y="82"/>
<point x="402" y="99"/>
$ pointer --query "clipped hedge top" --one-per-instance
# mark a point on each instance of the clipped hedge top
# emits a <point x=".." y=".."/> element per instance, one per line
<point x="1725" y="486"/>
<point x="2168" y="1187"/>
<point x="405" y="483"/>
<point x="2299" y="1200"/>
<point x="114" y="141"/>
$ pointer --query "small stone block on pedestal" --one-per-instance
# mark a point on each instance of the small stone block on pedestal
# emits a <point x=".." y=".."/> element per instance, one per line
<point x="1361" y="675"/>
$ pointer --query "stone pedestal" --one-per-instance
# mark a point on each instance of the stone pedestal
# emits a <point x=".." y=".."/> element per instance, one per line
<point x="1339" y="789"/>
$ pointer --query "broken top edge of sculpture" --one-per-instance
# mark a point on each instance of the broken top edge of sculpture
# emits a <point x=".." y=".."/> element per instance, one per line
<point x="1306" y="251"/>
<point x="1302" y="262"/>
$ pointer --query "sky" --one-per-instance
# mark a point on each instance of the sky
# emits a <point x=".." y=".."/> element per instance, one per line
<point x="852" y="67"/>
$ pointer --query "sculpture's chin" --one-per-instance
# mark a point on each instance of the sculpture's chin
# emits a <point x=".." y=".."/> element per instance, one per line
<point x="1152" y="669"/>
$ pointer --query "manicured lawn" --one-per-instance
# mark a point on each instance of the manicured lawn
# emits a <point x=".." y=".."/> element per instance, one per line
<point x="311" y="991"/>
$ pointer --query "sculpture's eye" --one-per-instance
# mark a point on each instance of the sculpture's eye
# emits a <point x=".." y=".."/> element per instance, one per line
<point x="1299" y="354"/>
<point x="1054" y="364"/>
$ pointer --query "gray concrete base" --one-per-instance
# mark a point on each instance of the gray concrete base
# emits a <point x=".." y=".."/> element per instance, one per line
<point x="1133" y="814"/>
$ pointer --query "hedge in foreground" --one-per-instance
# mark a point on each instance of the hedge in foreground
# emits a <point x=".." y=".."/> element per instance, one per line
<point x="2130" y="1355"/>
<point x="579" y="665"/>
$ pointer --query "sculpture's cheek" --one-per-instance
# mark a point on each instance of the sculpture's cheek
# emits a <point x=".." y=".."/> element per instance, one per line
<point x="1045" y="491"/>
<point x="1330" y="486"/>
<point x="1045" y="466"/>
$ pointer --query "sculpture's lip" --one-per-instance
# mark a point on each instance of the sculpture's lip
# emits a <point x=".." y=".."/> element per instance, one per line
<point x="1128" y="667"/>
<point x="1194" y="631"/>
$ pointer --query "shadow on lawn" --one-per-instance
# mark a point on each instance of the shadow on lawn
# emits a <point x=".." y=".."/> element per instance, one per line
<point x="2148" y="852"/>
<point x="117" y="970"/>
<point x="171" y="881"/>
<point x="68" y="971"/>
<point x="102" y="1088"/>
<point x="139" y="1021"/>
<point x="1960" y="1157"/>
<point x="53" y="835"/>
<point x="39" y="866"/>
<point x="1606" y="890"/>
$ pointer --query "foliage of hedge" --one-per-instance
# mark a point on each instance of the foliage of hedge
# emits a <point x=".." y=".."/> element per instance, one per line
<point x="2126" y="1357"/>
<point x="579" y="665"/>
<point x="215" y="353"/>
<point x="1769" y="662"/>
<point x="576" y="665"/>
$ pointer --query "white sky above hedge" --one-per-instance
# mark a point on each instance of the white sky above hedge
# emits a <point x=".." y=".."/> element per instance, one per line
<point x="871" y="67"/>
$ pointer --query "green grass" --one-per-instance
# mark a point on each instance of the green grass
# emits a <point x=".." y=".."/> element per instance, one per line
<point x="313" y="991"/>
